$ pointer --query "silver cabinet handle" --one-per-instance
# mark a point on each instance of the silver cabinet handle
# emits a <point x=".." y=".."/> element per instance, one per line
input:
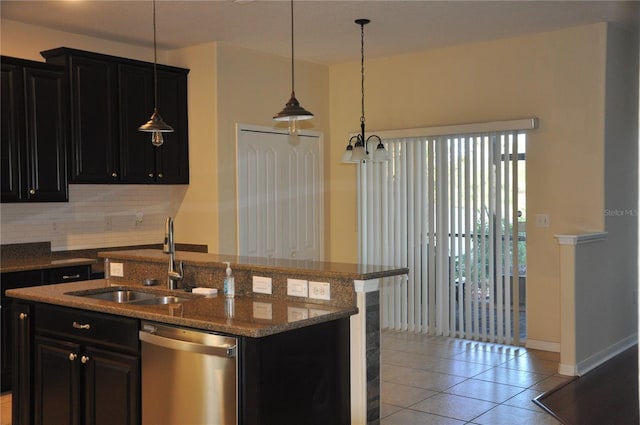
<point x="79" y="326"/>
<point x="84" y="359"/>
<point x="114" y="174"/>
<point x="32" y="191"/>
<point x="23" y="316"/>
<point x="72" y="356"/>
<point x="73" y="276"/>
<point x="160" y="175"/>
<point x="151" y="175"/>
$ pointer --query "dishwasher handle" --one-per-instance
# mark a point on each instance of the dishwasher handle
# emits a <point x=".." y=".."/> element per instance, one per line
<point x="177" y="344"/>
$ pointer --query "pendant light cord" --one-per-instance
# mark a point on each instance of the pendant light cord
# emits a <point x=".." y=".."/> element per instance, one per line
<point x="292" y="67"/>
<point x="362" y="73"/>
<point x="155" y="61"/>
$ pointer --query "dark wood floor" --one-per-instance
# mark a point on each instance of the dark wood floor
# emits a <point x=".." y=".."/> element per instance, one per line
<point x="607" y="395"/>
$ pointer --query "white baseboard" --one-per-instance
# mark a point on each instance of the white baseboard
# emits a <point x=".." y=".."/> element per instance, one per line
<point x="543" y="345"/>
<point x="568" y="369"/>
<point x="608" y="353"/>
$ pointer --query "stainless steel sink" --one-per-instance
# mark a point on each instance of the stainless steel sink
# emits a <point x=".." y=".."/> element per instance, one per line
<point x="157" y="300"/>
<point x="122" y="295"/>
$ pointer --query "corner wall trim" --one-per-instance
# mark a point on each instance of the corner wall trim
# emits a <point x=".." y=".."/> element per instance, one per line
<point x="581" y="239"/>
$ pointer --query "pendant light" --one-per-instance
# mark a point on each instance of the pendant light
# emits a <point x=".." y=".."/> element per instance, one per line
<point x="359" y="151"/>
<point x="156" y="125"/>
<point x="292" y="111"/>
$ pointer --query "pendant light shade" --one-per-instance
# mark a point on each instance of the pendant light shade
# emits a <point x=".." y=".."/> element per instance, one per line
<point x="359" y="151"/>
<point x="292" y="111"/>
<point x="156" y="125"/>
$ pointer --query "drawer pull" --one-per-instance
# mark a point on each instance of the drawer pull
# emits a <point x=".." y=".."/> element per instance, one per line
<point x="84" y="359"/>
<point x="72" y="276"/>
<point x="72" y="356"/>
<point x="79" y="326"/>
<point x="23" y="316"/>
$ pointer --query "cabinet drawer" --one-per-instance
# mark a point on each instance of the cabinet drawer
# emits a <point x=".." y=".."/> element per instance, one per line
<point x="69" y="274"/>
<point x="86" y="326"/>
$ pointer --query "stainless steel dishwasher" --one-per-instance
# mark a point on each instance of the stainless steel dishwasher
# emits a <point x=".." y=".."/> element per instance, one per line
<point x="188" y="376"/>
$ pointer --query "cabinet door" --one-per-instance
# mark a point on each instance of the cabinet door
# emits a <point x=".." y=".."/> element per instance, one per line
<point x="141" y="161"/>
<point x="111" y="387"/>
<point x="172" y="158"/>
<point x="45" y="135"/>
<point x="57" y="382"/>
<point x="12" y="134"/>
<point x="94" y="146"/>
<point x="136" y="106"/>
<point x="20" y="315"/>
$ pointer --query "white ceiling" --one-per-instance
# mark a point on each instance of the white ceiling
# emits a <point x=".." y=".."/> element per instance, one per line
<point x="324" y="30"/>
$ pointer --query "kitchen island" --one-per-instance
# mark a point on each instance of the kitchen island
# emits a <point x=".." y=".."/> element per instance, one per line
<point x="325" y="335"/>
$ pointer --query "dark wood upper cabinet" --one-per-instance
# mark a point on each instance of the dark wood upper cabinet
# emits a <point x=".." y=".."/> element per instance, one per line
<point x="110" y="97"/>
<point x="33" y="132"/>
<point x="141" y="161"/>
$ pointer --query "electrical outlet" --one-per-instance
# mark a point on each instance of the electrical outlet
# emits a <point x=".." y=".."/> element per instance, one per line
<point x="108" y="223"/>
<point x="262" y="285"/>
<point x="297" y="288"/>
<point x="116" y="269"/>
<point x="320" y="290"/>
<point x="543" y="220"/>
<point x="139" y="218"/>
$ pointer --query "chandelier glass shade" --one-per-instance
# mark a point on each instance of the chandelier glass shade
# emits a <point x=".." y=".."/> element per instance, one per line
<point x="357" y="149"/>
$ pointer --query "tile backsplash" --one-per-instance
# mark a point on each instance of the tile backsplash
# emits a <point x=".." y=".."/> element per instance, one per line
<point x="96" y="216"/>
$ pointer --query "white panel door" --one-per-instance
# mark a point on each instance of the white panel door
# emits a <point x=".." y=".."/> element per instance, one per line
<point x="280" y="194"/>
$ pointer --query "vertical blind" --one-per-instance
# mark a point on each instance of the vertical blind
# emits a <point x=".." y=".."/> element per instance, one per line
<point x="446" y="207"/>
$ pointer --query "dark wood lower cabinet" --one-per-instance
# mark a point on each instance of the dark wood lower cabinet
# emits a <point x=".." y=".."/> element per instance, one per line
<point x="297" y="377"/>
<point x="21" y="319"/>
<point x="57" y="382"/>
<point x="75" y="367"/>
<point x="111" y="387"/>
<point x="78" y="367"/>
<point x="25" y="279"/>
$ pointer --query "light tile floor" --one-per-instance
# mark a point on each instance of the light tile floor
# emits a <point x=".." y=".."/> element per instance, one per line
<point x="430" y="380"/>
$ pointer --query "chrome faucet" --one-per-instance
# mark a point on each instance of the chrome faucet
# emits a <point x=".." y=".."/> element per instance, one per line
<point x="173" y="276"/>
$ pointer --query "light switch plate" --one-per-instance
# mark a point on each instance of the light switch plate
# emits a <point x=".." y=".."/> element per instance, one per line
<point x="262" y="285"/>
<point x="297" y="288"/>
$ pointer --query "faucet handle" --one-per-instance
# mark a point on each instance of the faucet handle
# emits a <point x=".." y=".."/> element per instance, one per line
<point x="181" y="270"/>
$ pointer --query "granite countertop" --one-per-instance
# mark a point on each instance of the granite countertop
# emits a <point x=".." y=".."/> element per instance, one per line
<point x="41" y="262"/>
<point x="257" y="264"/>
<point x="252" y="317"/>
<point x="38" y="255"/>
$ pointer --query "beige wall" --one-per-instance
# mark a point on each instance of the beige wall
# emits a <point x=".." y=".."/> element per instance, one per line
<point x="252" y="88"/>
<point x="197" y="217"/>
<point x="556" y="76"/>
